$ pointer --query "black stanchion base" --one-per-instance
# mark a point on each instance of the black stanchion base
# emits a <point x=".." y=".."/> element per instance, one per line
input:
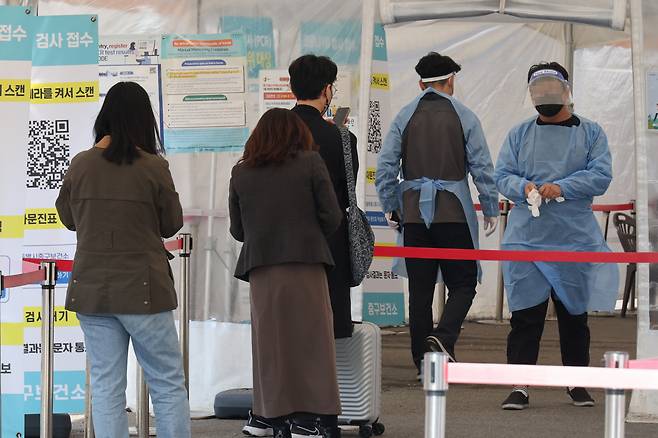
<point x="61" y="425"/>
<point x="234" y="403"/>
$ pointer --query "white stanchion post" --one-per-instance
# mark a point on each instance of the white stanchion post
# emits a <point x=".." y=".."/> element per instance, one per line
<point x="184" y="311"/>
<point x="142" y="405"/>
<point x="615" y="399"/>
<point x="47" y="340"/>
<point x="89" y="422"/>
<point x="435" y="384"/>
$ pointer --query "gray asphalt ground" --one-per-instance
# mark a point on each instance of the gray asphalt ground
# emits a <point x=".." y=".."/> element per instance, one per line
<point x="475" y="411"/>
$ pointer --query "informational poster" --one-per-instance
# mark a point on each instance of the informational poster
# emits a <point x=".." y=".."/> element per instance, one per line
<point x="204" y="92"/>
<point x="16" y="37"/>
<point x="63" y="106"/>
<point x="383" y="291"/>
<point x="340" y="40"/>
<point x="259" y="39"/>
<point x="652" y="99"/>
<point x="129" y="50"/>
<point x="274" y="90"/>
<point x="119" y="63"/>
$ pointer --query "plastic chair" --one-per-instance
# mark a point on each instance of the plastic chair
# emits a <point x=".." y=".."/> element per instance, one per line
<point x="625" y="225"/>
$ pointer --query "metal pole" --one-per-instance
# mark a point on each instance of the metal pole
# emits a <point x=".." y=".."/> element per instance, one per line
<point x="184" y="311"/>
<point x="47" y="340"/>
<point x="634" y="291"/>
<point x="500" y="293"/>
<point x="615" y="399"/>
<point x="142" y="405"/>
<point x="89" y="422"/>
<point x="607" y="225"/>
<point x="209" y="244"/>
<point x="435" y="383"/>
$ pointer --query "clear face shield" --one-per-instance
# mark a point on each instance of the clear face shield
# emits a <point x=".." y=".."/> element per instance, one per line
<point x="549" y="92"/>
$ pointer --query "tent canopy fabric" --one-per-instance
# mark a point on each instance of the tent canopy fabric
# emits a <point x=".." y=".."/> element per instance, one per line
<point x="606" y="13"/>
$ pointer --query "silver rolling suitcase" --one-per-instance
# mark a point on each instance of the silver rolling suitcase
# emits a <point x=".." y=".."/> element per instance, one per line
<point x="359" y="369"/>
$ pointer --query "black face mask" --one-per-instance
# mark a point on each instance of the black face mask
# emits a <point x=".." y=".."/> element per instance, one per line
<point x="549" y="110"/>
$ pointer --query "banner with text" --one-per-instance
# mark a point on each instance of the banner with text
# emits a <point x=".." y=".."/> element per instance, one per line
<point x="383" y="291"/>
<point x="16" y="36"/>
<point x="63" y="106"/>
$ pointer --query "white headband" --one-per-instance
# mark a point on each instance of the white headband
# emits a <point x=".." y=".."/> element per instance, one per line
<point x="437" y="78"/>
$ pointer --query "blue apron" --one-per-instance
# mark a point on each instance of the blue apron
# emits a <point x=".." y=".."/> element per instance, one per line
<point x="428" y="189"/>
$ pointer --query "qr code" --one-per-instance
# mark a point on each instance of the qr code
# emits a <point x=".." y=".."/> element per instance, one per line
<point x="374" y="127"/>
<point x="48" y="153"/>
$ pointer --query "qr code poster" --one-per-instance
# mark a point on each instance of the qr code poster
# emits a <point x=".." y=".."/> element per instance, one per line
<point x="48" y="153"/>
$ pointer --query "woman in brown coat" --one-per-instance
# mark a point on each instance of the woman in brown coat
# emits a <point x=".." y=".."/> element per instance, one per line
<point x="283" y="206"/>
<point x="119" y="198"/>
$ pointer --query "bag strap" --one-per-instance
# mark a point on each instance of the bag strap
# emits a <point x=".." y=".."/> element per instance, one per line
<point x="349" y="167"/>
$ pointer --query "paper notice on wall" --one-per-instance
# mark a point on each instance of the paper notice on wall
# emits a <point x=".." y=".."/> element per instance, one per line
<point x="199" y="111"/>
<point x="147" y="76"/>
<point x="204" y="92"/>
<point x="274" y="90"/>
<point x="129" y="50"/>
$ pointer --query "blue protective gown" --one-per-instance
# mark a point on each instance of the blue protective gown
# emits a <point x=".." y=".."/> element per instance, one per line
<point x="577" y="159"/>
<point x="479" y="165"/>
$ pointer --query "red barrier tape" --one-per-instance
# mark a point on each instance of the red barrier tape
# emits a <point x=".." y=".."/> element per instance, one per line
<point x="644" y="364"/>
<point x="516" y="256"/>
<point x="174" y="245"/>
<point x="546" y="375"/>
<point x="606" y="208"/>
<point x="10" y="281"/>
<point x="67" y="265"/>
<point x="62" y="265"/>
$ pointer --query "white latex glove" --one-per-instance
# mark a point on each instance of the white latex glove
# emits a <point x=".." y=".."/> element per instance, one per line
<point x="534" y="202"/>
<point x="391" y="223"/>
<point x="490" y="225"/>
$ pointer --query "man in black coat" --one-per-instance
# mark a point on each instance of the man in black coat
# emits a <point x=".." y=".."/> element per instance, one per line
<point x="312" y="82"/>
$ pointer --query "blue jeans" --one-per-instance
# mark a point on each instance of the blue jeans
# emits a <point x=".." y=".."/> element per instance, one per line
<point x="157" y="350"/>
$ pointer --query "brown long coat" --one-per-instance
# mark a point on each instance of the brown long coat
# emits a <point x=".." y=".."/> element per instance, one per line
<point x="120" y="214"/>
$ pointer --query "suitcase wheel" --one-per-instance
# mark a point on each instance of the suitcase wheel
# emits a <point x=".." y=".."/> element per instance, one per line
<point x="365" y="431"/>
<point x="378" y="429"/>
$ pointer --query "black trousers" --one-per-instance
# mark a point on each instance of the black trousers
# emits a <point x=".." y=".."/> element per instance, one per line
<point x="459" y="276"/>
<point x="528" y="326"/>
<point x="339" y="278"/>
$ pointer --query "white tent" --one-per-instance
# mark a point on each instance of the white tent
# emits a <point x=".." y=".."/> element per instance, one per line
<point x="607" y="50"/>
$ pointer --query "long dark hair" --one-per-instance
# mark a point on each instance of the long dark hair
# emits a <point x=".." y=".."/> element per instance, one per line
<point x="127" y="117"/>
<point x="280" y="134"/>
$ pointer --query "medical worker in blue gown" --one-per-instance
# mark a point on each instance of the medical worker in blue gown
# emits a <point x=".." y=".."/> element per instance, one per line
<point x="562" y="161"/>
<point x="434" y="143"/>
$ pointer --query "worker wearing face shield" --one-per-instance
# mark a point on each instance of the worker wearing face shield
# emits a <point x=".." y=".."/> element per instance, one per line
<point x="552" y="166"/>
<point x="433" y="144"/>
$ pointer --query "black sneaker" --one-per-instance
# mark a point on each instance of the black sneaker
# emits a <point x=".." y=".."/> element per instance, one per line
<point x="434" y="344"/>
<point x="516" y="401"/>
<point x="305" y="430"/>
<point x="257" y="426"/>
<point x="580" y="397"/>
